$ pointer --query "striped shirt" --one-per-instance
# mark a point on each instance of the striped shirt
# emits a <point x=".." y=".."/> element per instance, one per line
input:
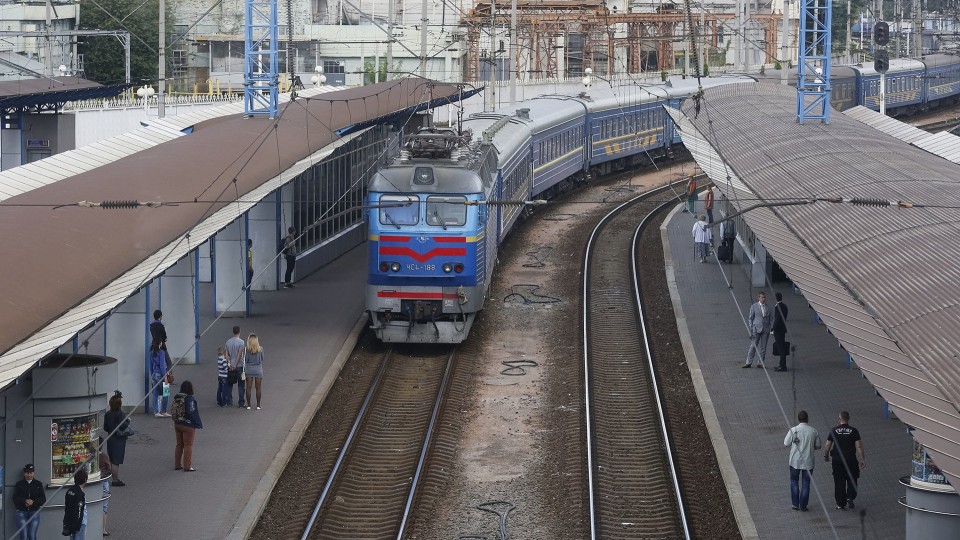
<point x="222" y="366"/>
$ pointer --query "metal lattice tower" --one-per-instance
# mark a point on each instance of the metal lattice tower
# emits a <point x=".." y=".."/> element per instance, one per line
<point x="813" y="73"/>
<point x="261" y="78"/>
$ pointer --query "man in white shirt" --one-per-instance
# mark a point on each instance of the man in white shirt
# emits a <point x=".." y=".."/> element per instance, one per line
<point x="702" y="235"/>
<point x="802" y="440"/>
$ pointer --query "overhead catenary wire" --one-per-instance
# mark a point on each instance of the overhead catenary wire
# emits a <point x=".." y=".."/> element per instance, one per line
<point x="144" y="281"/>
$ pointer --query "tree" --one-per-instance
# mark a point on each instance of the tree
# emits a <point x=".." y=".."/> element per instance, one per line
<point x="103" y="55"/>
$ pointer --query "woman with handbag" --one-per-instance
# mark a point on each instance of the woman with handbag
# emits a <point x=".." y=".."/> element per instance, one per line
<point x="186" y="422"/>
<point x="118" y="429"/>
<point x="253" y="367"/>
<point x="160" y="378"/>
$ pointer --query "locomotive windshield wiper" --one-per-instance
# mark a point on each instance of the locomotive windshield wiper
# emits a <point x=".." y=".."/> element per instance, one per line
<point x="390" y="219"/>
<point x="440" y="221"/>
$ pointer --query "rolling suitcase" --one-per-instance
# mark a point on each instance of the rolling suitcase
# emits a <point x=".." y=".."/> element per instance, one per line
<point x="725" y="252"/>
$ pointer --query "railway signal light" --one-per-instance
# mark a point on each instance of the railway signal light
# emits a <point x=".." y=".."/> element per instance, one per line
<point x="881" y="33"/>
<point x="881" y="61"/>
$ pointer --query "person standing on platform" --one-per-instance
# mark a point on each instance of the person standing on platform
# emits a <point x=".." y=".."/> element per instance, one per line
<point x="75" y="507"/>
<point x="104" y="473"/>
<point x="236" y="349"/>
<point x="290" y="256"/>
<point x="708" y="204"/>
<point x="846" y="449"/>
<point x="802" y="440"/>
<point x="779" y="328"/>
<point x="160" y="366"/>
<point x="158" y="332"/>
<point x="692" y="194"/>
<point x="249" y="262"/>
<point x="114" y="422"/>
<point x="760" y="320"/>
<point x="28" y="497"/>
<point x="223" y="388"/>
<point x="702" y="236"/>
<point x="186" y="422"/>
<point x="253" y="365"/>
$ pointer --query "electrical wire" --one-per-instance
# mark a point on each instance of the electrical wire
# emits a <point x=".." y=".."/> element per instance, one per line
<point x="140" y="285"/>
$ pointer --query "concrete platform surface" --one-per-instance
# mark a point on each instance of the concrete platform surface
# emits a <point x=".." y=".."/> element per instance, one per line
<point x="756" y="407"/>
<point x="301" y="330"/>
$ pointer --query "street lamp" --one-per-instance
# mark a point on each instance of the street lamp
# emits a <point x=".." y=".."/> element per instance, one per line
<point x="145" y="92"/>
<point x="319" y="78"/>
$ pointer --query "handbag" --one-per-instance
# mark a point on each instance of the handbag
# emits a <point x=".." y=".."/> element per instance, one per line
<point x="776" y="349"/>
<point x="127" y="431"/>
<point x="233" y="376"/>
<point x="243" y="372"/>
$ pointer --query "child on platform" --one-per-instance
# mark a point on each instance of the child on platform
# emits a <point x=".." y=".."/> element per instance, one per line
<point x="223" y="389"/>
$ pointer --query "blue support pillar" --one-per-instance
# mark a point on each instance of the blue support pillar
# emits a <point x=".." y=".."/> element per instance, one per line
<point x="813" y="69"/>
<point x="260" y="45"/>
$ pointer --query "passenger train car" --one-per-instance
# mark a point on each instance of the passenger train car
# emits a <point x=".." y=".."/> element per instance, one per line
<point x="911" y="85"/>
<point x="439" y="212"/>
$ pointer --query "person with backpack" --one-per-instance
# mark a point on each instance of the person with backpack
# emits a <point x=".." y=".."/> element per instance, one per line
<point x="186" y="422"/>
<point x="75" y="507"/>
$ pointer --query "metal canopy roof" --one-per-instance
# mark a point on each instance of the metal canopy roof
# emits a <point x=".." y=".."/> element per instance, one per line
<point x="943" y="144"/>
<point x="52" y="92"/>
<point x="882" y="279"/>
<point x="70" y="266"/>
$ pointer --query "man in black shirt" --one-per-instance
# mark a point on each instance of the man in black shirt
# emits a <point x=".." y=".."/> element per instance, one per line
<point x="158" y="332"/>
<point x="28" y="497"/>
<point x="843" y="444"/>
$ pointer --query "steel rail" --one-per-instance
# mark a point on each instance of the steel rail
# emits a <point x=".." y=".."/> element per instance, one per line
<point x="653" y="371"/>
<point x="441" y="393"/>
<point x="586" y="346"/>
<point x="347" y="444"/>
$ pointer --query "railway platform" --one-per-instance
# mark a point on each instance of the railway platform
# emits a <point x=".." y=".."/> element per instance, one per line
<point x="752" y="409"/>
<point x="307" y="333"/>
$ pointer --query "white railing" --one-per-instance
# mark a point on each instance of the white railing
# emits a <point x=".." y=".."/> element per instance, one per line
<point x="124" y="101"/>
<point x="646" y="76"/>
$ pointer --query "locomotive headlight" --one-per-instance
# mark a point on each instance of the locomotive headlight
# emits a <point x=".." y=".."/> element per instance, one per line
<point x="458" y="268"/>
<point x="384" y="267"/>
<point x="395" y="266"/>
<point x="447" y="267"/>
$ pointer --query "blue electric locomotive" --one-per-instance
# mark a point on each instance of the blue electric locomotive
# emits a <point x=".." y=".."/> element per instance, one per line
<point x="440" y="211"/>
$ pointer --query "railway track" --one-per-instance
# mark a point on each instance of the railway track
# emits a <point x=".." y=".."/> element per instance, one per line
<point x="372" y="485"/>
<point x="633" y="487"/>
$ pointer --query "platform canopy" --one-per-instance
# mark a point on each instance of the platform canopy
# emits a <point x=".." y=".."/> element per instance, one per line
<point x="883" y="279"/>
<point x="51" y="93"/>
<point x="67" y="266"/>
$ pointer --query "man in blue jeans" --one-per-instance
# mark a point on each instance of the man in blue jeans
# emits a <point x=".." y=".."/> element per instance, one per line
<point x="802" y="441"/>
<point x="28" y="497"/>
<point x="236" y="349"/>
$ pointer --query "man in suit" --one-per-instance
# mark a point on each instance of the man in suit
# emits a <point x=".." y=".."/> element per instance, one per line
<point x="760" y="320"/>
<point x="780" y="331"/>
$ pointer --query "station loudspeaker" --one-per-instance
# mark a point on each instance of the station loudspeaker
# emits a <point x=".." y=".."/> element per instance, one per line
<point x="881" y="33"/>
<point x="881" y="61"/>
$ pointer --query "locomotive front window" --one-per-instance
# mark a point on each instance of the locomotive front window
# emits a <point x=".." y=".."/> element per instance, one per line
<point x="406" y="211"/>
<point x="444" y="211"/>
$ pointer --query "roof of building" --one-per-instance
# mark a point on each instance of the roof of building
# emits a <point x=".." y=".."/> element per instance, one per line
<point x="883" y="279"/>
<point x="51" y="92"/>
<point x="70" y="265"/>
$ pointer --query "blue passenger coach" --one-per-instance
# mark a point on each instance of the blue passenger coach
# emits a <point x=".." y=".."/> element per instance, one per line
<point x="440" y="211"/>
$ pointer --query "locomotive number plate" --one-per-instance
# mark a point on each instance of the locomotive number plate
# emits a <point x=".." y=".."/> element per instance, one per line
<point x="414" y="267"/>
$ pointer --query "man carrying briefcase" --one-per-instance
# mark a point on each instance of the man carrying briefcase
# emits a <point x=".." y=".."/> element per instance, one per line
<point x="781" y="347"/>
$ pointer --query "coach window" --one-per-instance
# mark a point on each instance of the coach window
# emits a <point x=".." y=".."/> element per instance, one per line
<point x="399" y="210"/>
<point x="446" y="211"/>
